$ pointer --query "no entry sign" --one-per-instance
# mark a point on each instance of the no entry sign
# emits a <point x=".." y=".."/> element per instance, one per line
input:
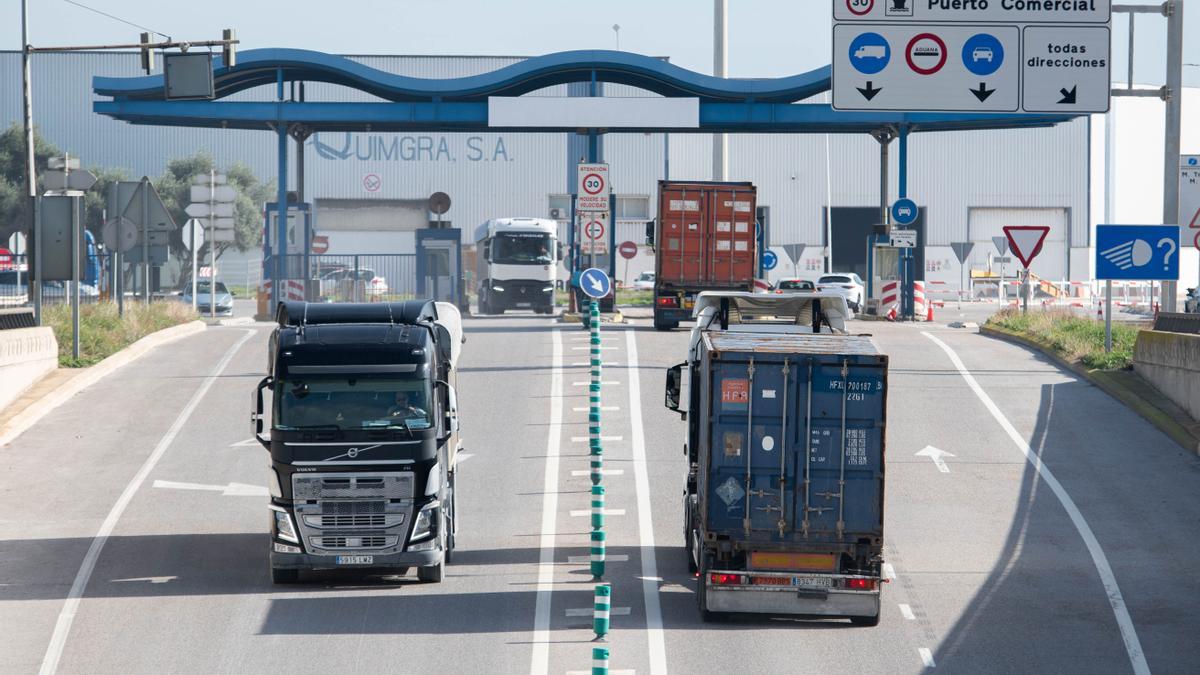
<point x="628" y="250"/>
<point x="594" y="229"/>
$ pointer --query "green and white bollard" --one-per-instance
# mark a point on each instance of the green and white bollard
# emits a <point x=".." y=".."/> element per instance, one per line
<point x="597" y="555"/>
<point x="597" y="507"/>
<point x="599" y="660"/>
<point x="600" y="613"/>
<point x="596" y="451"/>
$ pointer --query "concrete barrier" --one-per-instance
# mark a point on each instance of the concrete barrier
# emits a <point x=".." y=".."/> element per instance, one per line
<point x="1171" y="362"/>
<point x="26" y="355"/>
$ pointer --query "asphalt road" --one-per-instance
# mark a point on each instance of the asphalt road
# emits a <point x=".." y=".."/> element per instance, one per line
<point x="1069" y="560"/>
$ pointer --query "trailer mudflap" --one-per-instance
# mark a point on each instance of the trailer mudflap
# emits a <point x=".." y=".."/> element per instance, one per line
<point x="791" y="600"/>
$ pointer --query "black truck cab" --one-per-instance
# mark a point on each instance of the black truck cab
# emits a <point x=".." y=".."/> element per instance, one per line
<point x="363" y="438"/>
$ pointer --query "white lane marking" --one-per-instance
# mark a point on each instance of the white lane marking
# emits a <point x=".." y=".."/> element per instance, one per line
<point x="589" y="611"/>
<point x="230" y="490"/>
<point x="927" y="657"/>
<point x="907" y="612"/>
<point x="248" y="443"/>
<point x="584" y="439"/>
<point x="545" y="586"/>
<point x="603" y="472"/>
<point x="603" y="383"/>
<point x="936" y="455"/>
<point x="620" y="557"/>
<point x="603" y="408"/>
<point x="152" y="580"/>
<point x="654" y="625"/>
<point x="1133" y="646"/>
<point x="889" y="572"/>
<point x="583" y="513"/>
<point x="66" y="616"/>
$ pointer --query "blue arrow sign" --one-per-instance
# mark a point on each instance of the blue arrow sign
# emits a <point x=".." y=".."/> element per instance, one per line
<point x="595" y="283"/>
<point x="904" y="212"/>
<point x="1137" y="252"/>
<point x="769" y="260"/>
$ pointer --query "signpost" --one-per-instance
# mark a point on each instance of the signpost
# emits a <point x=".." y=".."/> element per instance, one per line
<point x="794" y="251"/>
<point x="212" y="200"/>
<point x="595" y="230"/>
<point x="594" y="189"/>
<point x="628" y="251"/>
<point x="1134" y="252"/>
<point x="914" y="55"/>
<point x="147" y="214"/>
<point x="962" y="251"/>
<point x="1001" y="244"/>
<point x="904" y="238"/>
<point x="769" y="260"/>
<point x="1026" y="243"/>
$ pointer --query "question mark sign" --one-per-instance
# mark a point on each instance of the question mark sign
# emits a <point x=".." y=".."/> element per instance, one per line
<point x="1170" y="243"/>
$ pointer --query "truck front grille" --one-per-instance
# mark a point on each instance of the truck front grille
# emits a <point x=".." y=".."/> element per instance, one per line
<point x="334" y="509"/>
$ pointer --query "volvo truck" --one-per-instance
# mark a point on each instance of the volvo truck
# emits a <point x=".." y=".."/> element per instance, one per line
<point x="517" y="264"/>
<point x="783" y="499"/>
<point x="706" y="238"/>
<point x="364" y="437"/>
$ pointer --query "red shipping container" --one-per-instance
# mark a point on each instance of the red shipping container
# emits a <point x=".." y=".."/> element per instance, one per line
<point x="706" y="235"/>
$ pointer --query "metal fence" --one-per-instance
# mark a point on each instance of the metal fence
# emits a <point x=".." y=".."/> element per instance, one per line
<point x="15" y="283"/>
<point x="355" y="278"/>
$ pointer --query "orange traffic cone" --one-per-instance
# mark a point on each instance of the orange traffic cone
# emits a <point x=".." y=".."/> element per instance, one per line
<point x="930" y="314"/>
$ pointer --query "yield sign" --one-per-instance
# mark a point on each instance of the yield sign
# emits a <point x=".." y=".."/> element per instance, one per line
<point x="1026" y="241"/>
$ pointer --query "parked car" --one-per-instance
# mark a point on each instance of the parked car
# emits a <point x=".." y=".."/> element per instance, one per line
<point x="850" y="286"/>
<point x="644" y="282"/>
<point x="204" y="298"/>
<point x="14" y="293"/>
<point x="340" y="284"/>
<point x="795" y="285"/>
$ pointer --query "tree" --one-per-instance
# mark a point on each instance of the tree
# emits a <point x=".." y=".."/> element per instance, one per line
<point x="175" y="188"/>
<point x="15" y="207"/>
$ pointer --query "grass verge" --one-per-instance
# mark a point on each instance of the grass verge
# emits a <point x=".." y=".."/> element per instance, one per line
<point x="1071" y="337"/>
<point x="103" y="333"/>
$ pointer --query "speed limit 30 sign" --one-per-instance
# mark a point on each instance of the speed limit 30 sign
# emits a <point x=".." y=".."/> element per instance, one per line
<point x="593" y="188"/>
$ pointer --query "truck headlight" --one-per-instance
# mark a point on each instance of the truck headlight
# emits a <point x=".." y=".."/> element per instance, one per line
<point x="548" y="289"/>
<point x="283" y="525"/>
<point x="498" y="289"/>
<point x="425" y="521"/>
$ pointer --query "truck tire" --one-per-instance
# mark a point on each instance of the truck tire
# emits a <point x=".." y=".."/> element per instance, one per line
<point x="284" y="576"/>
<point x="866" y="621"/>
<point x="665" y="325"/>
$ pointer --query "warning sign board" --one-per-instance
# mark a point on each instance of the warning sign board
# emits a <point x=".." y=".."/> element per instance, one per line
<point x="735" y="394"/>
<point x="1189" y="198"/>
<point x="593" y="188"/>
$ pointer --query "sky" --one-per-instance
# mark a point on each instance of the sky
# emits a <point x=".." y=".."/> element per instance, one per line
<point x="767" y="38"/>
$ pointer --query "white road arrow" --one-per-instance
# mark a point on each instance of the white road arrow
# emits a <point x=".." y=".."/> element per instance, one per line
<point x="936" y="455"/>
<point x="231" y="490"/>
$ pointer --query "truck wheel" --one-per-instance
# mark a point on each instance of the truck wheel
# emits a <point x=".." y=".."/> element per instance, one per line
<point x="432" y="574"/>
<point x="867" y="621"/>
<point x="284" y="576"/>
<point x="665" y="325"/>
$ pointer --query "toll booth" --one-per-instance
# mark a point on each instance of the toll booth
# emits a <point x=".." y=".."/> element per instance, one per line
<point x="299" y="283"/>
<point x="439" y="266"/>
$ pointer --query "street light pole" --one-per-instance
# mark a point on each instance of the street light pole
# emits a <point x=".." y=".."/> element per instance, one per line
<point x="35" y="288"/>
<point x="1174" y="115"/>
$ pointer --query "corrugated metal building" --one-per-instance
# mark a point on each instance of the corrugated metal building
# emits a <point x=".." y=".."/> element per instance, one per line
<point x="970" y="184"/>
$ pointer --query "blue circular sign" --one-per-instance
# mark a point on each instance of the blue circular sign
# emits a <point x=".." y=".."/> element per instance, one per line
<point x="983" y="54"/>
<point x="595" y="283"/>
<point x="870" y="53"/>
<point x="769" y="260"/>
<point x="1192" y="161"/>
<point x="904" y="212"/>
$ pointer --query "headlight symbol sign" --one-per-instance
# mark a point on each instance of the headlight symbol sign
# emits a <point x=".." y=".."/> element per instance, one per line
<point x="1137" y="252"/>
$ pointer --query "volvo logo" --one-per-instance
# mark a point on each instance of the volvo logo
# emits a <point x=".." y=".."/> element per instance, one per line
<point x="352" y="453"/>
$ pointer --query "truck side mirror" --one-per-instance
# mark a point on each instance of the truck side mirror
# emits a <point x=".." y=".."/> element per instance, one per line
<point x="444" y="347"/>
<point x="650" y="233"/>
<point x="451" y="413"/>
<point x="256" y="417"/>
<point x="674" y="381"/>
<point x="561" y="251"/>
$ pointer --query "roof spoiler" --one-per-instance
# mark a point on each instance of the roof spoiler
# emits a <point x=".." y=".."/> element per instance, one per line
<point x="299" y="314"/>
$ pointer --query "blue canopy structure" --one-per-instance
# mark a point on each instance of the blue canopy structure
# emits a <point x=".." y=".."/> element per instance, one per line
<point x="770" y="105"/>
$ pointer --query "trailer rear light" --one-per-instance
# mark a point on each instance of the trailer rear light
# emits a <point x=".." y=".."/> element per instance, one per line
<point x="668" y="302"/>
<point x="847" y="287"/>
<point x="860" y="584"/>
<point x="771" y="581"/>
<point x="721" y="579"/>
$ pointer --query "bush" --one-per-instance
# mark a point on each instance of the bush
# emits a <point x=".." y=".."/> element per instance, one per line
<point x="103" y="333"/>
<point x="1074" y="338"/>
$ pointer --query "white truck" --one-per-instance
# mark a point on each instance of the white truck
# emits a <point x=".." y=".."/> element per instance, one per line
<point x="516" y="264"/>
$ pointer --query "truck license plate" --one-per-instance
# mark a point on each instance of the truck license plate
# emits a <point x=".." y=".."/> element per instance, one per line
<point x="524" y="304"/>
<point x="355" y="559"/>
<point x="822" y="583"/>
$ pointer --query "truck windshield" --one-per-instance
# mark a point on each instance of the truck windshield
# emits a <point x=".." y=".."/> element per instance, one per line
<point x="522" y="248"/>
<point x="341" y="403"/>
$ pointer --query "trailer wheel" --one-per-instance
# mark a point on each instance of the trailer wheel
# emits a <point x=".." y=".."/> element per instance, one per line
<point x="284" y="576"/>
<point x="660" y="324"/>
<point x="867" y="621"/>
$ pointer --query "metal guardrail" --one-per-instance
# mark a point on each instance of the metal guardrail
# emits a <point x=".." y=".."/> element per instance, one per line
<point x="1178" y="323"/>
<point x="17" y="318"/>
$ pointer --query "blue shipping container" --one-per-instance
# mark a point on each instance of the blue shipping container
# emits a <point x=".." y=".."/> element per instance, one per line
<point x="773" y="400"/>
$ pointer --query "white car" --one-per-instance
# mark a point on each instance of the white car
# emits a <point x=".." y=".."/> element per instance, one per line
<point x="644" y="282"/>
<point x="340" y="283"/>
<point x="849" y="286"/>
